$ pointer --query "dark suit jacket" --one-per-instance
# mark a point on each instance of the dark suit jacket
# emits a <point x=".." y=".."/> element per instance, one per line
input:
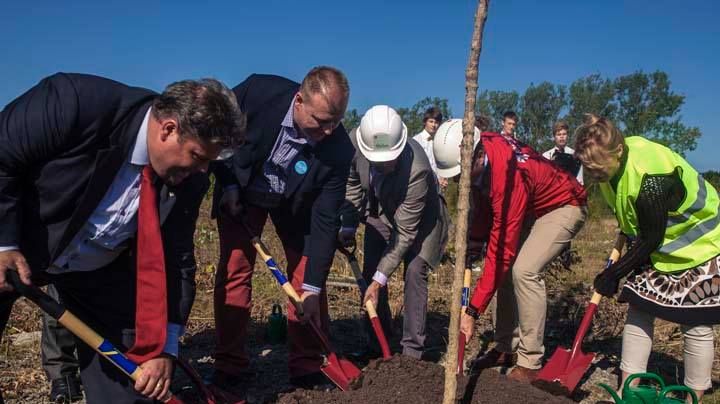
<point x="61" y="144"/>
<point x="313" y="198"/>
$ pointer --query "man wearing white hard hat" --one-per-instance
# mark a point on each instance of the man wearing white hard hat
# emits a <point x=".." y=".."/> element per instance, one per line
<point x="392" y="189"/>
<point x="513" y="184"/>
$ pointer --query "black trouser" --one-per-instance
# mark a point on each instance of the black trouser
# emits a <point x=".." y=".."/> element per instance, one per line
<point x="57" y="346"/>
<point x="105" y="300"/>
<point x="377" y="235"/>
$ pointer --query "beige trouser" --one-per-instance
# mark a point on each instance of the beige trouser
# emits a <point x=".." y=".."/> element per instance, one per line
<point x="521" y="300"/>
<point x="698" y="350"/>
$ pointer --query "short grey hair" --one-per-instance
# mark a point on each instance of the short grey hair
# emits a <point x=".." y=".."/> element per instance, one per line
<point x="205" y="109"/>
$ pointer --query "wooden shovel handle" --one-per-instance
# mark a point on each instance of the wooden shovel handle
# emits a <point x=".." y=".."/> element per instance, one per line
<point x="614" y="257"/>
<point x="370" y="307"/>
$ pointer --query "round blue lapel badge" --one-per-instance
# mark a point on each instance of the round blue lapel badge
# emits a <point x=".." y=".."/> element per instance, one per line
<point x="301" y="167"/>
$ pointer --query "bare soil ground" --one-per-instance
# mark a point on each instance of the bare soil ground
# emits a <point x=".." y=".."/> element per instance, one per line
<point x="22" y="379"/>
<point x="397" y="381"/>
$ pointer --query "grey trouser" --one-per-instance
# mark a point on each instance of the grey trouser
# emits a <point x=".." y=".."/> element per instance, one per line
<point x="698" y="349"/>
<point x="57" y="346"/>
<point x="377" y="235"/>
<point x="521" y="300"/>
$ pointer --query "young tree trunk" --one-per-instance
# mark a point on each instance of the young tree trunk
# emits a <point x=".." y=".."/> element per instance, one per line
<point x="463" y="207"/>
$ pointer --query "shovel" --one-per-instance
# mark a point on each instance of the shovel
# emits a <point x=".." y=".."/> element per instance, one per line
<point x="566" y="367"/>
<point x="372" y="313"/>
<point x="95" y="341"/>
<point x="464" y="302"/>
<point x="340" y="371"/>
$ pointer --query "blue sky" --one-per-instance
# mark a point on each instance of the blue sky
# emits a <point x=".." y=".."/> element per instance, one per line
<point x="394" y="52"/>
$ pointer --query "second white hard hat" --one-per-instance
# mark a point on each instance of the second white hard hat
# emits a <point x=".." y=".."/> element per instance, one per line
<point x="446" y="147"/>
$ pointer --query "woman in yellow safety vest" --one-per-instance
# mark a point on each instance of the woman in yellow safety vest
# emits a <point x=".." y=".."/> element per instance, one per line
<point x="671" y="214"/>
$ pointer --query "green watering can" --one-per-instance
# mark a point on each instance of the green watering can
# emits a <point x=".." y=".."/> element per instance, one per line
<point x="663" y="399"/>
<point x="643" y="393"/>
<point x="653" y="393"/>
<point x="277" y="325"/>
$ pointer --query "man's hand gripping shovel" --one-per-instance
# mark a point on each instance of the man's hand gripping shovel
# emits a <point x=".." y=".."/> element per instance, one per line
<point x="340" y="371"/>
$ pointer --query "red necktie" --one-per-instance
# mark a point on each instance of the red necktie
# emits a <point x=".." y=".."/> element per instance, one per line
<point x="151" y="298"/>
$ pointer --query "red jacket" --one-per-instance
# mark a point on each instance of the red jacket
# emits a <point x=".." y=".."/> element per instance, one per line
<point x="517" y="182"/>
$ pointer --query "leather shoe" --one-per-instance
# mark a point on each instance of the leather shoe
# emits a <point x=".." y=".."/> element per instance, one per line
<point x="523" y="375"/>
<point x="494" y="358"/>
<point x="66" y="389"/>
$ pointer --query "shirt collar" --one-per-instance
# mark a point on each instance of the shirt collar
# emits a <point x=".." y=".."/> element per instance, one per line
<point x="289" y="123"/>
<point x="139" y="155"/>
<point x="288" y="120"/>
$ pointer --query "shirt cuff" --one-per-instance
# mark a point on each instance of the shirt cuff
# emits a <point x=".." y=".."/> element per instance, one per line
<point x="8" y="248"/>
<point x="311" y="288"/>
<point x="380" y="278"/>
<point x="347" y="229"/>
<point x="172" y="342"/>
<point x="231" y="187"/>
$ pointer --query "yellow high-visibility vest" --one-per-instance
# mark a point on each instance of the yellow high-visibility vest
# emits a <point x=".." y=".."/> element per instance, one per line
<point x="692" y="232"/>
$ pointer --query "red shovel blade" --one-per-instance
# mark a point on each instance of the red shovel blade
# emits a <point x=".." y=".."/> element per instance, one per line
<point x="340" y="371"/>
<point x="562" y="373"/>
<point x="221" y="396"/>
<point x="380" y="334"/>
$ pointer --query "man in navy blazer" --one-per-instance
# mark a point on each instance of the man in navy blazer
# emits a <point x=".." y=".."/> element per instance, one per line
<point x="293" y="167"/>
<point x="75" y="152"/>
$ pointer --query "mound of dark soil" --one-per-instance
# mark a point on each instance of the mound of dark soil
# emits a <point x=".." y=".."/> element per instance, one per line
<point x="405" y="380"/>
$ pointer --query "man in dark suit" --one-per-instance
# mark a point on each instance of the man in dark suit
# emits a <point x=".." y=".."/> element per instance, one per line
<point x="292" y="167"/>
<point x="87" y="167"/>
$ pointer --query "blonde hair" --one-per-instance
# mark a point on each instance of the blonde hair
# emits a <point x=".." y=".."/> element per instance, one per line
<point x="597" y="142"/>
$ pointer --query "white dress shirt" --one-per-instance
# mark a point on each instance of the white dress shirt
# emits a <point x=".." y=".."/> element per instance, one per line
<point x="427" y="144"/>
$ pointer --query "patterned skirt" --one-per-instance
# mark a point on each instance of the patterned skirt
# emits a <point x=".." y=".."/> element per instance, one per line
<point x="690" y="297"/>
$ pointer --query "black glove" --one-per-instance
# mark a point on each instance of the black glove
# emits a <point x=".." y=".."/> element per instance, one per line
<point x="606" y="284"/>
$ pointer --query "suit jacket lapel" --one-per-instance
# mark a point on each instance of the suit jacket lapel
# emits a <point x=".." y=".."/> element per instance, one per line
<point x="107" y="163"/>
<point x="363" y="168"/>
<point x="297" y="170"/>
<point x="166" y="202"/>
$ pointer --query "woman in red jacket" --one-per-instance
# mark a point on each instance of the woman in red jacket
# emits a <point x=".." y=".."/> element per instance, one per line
<point x="528" y="210"/>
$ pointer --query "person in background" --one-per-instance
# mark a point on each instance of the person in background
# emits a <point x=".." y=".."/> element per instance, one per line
<point x="673" y="216"/>
<point x="407" y="227"/>
<point x="509" y="123"/>
<point x="59" y="361"/>
<point x="432" y="119"/>
<point x="563" y="155"/>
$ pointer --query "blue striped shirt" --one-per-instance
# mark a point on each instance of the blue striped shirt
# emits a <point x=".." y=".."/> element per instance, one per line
<point x="287" y="146"/>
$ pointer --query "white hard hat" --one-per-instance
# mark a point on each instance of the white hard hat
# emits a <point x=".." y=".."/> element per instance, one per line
<point x="446" y="147"/>
<point x="382" y="135"/>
